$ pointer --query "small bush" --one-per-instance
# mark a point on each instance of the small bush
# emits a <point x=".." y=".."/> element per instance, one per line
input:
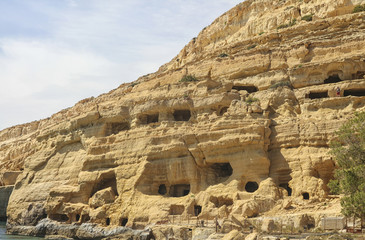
<point x="222" y="55"/>
<point x="188" y="78"/>
<point x="261" y="33"/>
<point x="251" y="100"/>
<point x="134" y="84"/>
<point x="359" y="8"/>
<point x="308" y="18"/>
<point x="281" y="84"/>
<point x="290" y="24"/>
<point x="251" y="47"/>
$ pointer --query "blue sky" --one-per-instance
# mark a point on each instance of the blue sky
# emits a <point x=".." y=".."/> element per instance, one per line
<point x="55" y="53"/>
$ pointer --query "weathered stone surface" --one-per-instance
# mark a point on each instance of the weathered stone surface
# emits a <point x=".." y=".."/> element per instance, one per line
<point x="5" y="193"/>
<point x="251" y="133"/>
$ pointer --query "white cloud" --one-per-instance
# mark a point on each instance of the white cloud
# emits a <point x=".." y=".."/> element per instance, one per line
<point x="82" y="48"/>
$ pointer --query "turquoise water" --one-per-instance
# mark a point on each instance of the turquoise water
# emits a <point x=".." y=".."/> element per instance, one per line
<point x="3" y="235"/>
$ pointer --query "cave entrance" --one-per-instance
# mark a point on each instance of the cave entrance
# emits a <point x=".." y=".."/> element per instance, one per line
<point x="123" y="222"/>
<point x="85" y="218"/>
<point x="223" y="111"/>
<point x="107" y="221"/>
<point x="251" y="187"/>
<point x="179" y="190"/>
<point x="59" y="217"/>
<point x="222" y="170"/>
<point x="106" y="180"/>
<point x="197" y="210"/>
<point x="176" y="209"/>
<point x="354" y="92"/>
<point x="148" y="118"/>
<point x="358" y="75"/>
<point x="305" y="196"/>
<point x="333" y="79"/>
<point x="116" y="127"/>
<point x="182" y="115"/>
<point x="249" y="89"/>
<point x="286" y="186"/>
<point x="317" y="95"/>
<point x="162" y="189"/>
<point x="77" y="217"/>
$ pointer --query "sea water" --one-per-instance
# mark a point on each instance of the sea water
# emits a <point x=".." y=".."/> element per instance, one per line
<point x="3" y="235"/>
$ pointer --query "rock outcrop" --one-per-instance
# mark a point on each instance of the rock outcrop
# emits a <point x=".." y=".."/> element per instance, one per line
<point x="270" y="83"/>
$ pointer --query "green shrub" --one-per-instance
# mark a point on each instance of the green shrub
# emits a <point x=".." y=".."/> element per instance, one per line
<point x="281" y="84"/>
<point x="222" y="55"/>
<point x="308" y="18"/>
<point x="261" y="33"/>
<point x="134" y="84"/>
<point x="188" y="78"/>
<point x="251" y="47"/>
<point x="290" y="24"/>
<point x="359" y="8"/>
<point x="251" y="100"/>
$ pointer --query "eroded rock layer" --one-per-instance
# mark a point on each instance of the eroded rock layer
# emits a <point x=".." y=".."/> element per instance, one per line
<point x="252" y="131"/>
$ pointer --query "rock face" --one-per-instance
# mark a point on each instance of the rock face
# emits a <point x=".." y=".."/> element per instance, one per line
<point x="252" y="130"/>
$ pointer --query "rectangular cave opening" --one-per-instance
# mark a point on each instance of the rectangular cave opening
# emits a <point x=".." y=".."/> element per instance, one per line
<point x="176" y="209"/>
<point x="197" y="210"/>
<point x="317" y="95"/>
<point x="333" y="79"/>
<point x="354" y="92"/>
<point x="116" y="127"/>
<point x="182" y="115"/>
<point x="179" y="190"/>
<point x="148" y="118"/>
<point x="105" y="181"/>
<point x="59" y="217"/>
<point x="249" y="88"/>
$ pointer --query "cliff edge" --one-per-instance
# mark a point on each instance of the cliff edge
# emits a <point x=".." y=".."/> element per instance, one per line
<point x="236" y="126"/>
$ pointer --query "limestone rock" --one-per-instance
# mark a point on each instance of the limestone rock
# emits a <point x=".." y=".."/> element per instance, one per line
<point x="252" y="132"/>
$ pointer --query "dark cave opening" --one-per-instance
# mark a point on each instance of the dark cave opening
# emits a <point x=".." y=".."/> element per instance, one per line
<point x="179" y="190"/>
<point x="123" y="222"/>
<point x="305" y="196"/>
<point x="59" y="217"/>
<point x="116" y="127"/>
<point x="162" y="189"/>
<point x="182" y="115"/>
<point x="153" y="118"/>
<point x="197" y="210"/>
<point x="286" y="186"/>
<point x="358" y="75"/>
<point x="249" y="89"/>
<point x="107" y="221"/>
<point x="223" y="111"/>
<point x="317" y="95"/>
<point x="106" y="180"/>
<point x="77" y="217"/>
<point x="251" y="187"/>
<point x="222" y="170"/>
<point x="354" y="92"/>
<point x="333" y="79"/>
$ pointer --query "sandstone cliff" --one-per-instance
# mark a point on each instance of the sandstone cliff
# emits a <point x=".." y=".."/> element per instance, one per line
<point x="251" y="133"/>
